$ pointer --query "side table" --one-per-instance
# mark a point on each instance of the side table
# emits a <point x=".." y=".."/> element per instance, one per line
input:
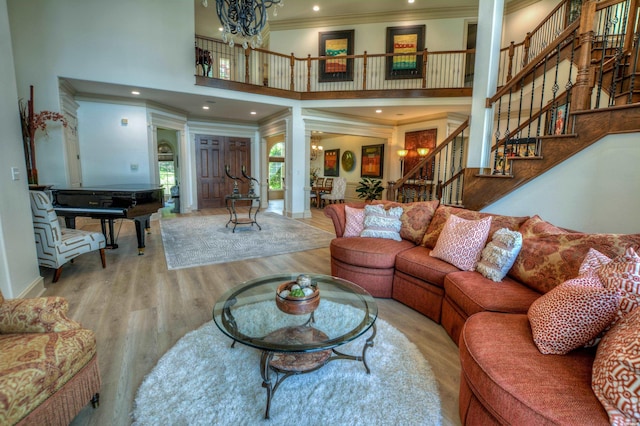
<point x="254" y="202"/>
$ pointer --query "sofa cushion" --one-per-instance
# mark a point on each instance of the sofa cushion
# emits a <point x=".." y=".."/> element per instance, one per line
<point x="616" y="371"/>
<point x="572" y="314"/>
<point x="381" y="223"/>
<point x="520" y="386"/>
<point x="417" y="263"/>
<point x="593" y="261"/>
<point x="547" y="260"/>
<point x="498" y="256"/>
<point x="623" y="275"/>
<point x="473" y="293"/>
<point x="415" y="218"/>
<point x="461" y="241"/>
<point x="443" y="212"/>
<point x="33" y="366"/>
<point x="535" y="225"/>
<point x="336" y="213"/>
<point x="374" y="253"/>
<point x="354" y="221"/>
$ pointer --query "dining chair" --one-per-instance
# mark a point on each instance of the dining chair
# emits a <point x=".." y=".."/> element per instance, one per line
<point x="337" y="192"/>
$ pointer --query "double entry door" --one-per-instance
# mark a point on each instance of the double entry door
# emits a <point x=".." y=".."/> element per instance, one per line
<point x="213" y="153"/>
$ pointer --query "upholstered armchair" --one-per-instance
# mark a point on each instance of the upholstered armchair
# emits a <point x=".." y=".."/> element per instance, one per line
<point x="55" y="245"/>
<point x="337" y="191"/>
<point x="48" y="363"/>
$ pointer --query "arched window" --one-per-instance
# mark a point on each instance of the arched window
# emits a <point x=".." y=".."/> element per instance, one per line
<point x="276" y="166"/>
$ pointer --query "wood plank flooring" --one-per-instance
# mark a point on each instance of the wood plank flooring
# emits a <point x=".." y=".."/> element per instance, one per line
<point x="139" y="309"/>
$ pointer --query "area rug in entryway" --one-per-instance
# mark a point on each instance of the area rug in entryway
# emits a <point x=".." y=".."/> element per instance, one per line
<point x="203" y="381"/>
<point x="204" y="240"/>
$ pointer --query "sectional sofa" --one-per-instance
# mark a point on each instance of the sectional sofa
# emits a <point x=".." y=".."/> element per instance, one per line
<point x="505" y="378"/>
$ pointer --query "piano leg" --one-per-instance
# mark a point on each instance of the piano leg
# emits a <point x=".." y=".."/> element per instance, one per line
<point x="108" y="234"/>
<point x="70" y="222"/>
<point x="140" y="223"/>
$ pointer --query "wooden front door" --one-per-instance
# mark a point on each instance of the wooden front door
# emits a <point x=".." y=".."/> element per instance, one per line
<point x="212" y="154"/>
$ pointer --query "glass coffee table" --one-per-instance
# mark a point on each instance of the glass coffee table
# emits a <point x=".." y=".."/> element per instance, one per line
<point x="296" y="343"/>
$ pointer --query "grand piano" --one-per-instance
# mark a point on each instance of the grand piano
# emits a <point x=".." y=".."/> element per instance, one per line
<point x="107" y="203"/>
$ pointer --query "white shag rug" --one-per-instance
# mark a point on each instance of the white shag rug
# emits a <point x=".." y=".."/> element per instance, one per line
<point x="205" y="240"/>
<point x="203" y="381"/>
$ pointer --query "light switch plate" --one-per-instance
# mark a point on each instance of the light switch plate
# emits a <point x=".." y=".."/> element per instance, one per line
<point x="15" y="173"/>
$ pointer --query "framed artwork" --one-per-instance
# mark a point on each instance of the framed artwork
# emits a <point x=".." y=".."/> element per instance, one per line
<point x="348" y="161"/>
<point x="557" y="119"/>
<point x="336" y="45"/>
<point x="415" y="140"/>
<point x="372" y="161"/>
<point x="332" y="162"/>
<point x="502" y="164"/>
<point x="405" y="43"/>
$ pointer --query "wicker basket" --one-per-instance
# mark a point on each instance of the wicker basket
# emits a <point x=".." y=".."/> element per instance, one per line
<point x="296" y="305"/>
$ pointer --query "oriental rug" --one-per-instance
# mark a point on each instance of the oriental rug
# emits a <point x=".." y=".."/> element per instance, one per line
<point x="205" y="240"/>
<point x="203" y="381"/>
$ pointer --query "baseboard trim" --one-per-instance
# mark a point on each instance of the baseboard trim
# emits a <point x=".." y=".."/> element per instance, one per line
<point x="35" y="289"/>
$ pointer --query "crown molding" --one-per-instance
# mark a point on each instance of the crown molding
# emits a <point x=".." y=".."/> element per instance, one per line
<point x="516" y="5"/>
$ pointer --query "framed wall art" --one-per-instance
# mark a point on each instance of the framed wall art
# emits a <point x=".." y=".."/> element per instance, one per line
<point x="348" y="161"/>
<point x="405" y="43"/>
<point x="372" y="161"/>
<point x="336" y="45"/>
<point x="415" y="140"/>
<point x="332" y="162"/>
<point x="557" y="119"/>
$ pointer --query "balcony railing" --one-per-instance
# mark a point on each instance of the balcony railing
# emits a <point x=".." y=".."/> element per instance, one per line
<point x="352" y="73"/>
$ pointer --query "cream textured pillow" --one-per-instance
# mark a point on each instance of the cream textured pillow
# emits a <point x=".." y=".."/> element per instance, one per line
<point x="381" y="223"/>
<point x="623" y="274"/>
<point x="572" y="314"/>
<point x="354" y="223"/>
<point x="461" y="241"/>
<point x="616" y="371"/>
<point x="498" y="256"/>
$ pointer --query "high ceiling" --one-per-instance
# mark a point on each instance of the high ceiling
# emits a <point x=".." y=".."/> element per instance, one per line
<point x="293" y="13"/>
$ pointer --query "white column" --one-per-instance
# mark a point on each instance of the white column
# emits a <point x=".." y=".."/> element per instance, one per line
<point x="485" y="80"/>
<point x="297" y="161"/>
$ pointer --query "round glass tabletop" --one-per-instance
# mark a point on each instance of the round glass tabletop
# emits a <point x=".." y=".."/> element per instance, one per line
<point x="250" y="315"/>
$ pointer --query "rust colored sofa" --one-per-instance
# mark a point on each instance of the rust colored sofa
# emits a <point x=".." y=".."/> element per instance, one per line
<point x="505" y="379"/>
<point x="48" y="363"/>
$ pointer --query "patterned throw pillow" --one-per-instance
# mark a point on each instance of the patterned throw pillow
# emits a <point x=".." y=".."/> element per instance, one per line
<point x="572" y="314"/>
<point x="535" y="225"/>
<point x="354" y="223"/>
<point x="461" y="242"/>
<point x="415" y="218"/>
<point x="623" y="274"/>
<point x="381" y="223"/>
<point x="616" y="371"/>
<point x="547" y="260"/>
<point x="498" y="256"/>
<point x="443" y="212"/>
<point x="593" y="261"/>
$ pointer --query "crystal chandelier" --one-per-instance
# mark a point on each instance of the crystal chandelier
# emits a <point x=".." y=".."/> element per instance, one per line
<point x="244" y="19"/>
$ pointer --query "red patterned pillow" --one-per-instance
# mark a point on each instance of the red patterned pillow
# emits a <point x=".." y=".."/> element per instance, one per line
<point x="593" y="261"/>
<point x="443" y="212"/>
<point x="535" y="225"/>
<point x="616" y="371"/>
<point x="572" y="314"/>
<point x="547" y="260"/>
<point x="623" y="275"/>
<point x="354" y="222"/>
<point x="461" y="242"/>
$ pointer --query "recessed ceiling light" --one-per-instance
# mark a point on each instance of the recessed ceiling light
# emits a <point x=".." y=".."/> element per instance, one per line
<point x="253" y="113"/>
<point x="316" y="8"/>
<point x="135" y="92"/>
<point x="411" y="1"/>
<point x="378" y="111"/>
<point x="220" y="29"/>
<point x="205" y="107"/>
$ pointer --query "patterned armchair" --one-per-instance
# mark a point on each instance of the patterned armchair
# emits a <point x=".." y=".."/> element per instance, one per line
<point x="57" y="246"/>
<point x="337" y="191"/>
<point x="48" y="363"/>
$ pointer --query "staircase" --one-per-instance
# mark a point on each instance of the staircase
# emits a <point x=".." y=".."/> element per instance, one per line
<point x="580" y="87"/>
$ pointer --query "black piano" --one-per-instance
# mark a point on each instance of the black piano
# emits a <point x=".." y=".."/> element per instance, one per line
<point x="107" y="203"/>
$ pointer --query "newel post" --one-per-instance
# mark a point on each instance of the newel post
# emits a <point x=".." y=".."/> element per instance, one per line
<point x="581" y="97"/>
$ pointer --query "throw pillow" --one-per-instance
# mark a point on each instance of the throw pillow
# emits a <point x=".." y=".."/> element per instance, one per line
<point x="443" y="212"/>
<point x="354" y="222"/>
<point x="547" y="260"/>
<point x="498" y="256"/>
<point x="461" y="242"/>
<point x="535" y="225"/>
<point x="623" y="274"/>
<point x="593" y="261"/>
<point x="415" y="217"/>
<point x="381" y="223"/>
<point x="616" y="370"/>
<point x="572" y="314"/>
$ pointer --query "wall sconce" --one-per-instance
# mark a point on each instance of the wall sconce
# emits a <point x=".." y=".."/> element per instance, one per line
<point x="402" y="153"/>
<point x="422" y="152"/>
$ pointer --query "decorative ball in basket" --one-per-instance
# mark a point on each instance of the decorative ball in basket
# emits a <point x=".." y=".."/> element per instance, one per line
<point x="298" y="297"/>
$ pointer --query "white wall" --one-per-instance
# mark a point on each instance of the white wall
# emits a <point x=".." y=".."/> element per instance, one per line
<point x="19" y="271"/>
<point x="597" y="190"/>
<point x="518" y="23"/>
<point x="111" y="151"/>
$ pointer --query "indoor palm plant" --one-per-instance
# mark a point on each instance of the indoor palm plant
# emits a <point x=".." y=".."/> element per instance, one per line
<point x="369" y="189"/>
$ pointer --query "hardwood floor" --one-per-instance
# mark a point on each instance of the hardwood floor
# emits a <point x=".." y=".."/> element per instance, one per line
<point x="139" y="309"/>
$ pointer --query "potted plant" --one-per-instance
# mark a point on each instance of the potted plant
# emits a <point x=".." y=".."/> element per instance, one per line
<point x="369" y="189"/>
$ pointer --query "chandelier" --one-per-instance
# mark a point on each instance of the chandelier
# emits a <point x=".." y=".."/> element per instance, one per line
<point x="316" y="148"/>
<point x="244" y="19"/>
